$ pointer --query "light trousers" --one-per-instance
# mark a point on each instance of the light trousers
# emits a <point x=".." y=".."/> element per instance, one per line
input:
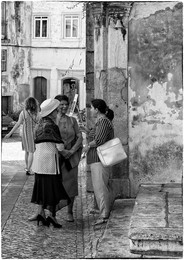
<point x="100" y="180"/>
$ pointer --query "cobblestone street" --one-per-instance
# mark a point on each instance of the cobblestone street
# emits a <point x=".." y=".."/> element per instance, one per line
<point x="24" y="239"/>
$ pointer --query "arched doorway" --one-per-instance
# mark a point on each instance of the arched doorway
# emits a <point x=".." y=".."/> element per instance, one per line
<point x="70" y="87"/>
<point x="40" y="89"/>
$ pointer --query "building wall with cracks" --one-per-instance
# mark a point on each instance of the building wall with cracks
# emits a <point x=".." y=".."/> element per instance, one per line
<point x="106" y="78"/>
<point x="139" y="74"/>
<point x="15" y="81"/>
<point x="155" y="93"/>
<point x="52" y="60"/>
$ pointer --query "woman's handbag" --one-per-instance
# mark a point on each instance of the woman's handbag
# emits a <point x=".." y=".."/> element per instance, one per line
<point x="111" y="152"/>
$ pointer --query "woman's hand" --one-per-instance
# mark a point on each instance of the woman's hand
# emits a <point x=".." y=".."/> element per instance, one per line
<point x="67" y="153"/>
<point x="60" y="147"/>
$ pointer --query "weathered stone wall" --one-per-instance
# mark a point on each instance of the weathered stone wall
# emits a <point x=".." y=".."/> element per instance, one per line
<point x="16" y="81"/>
<point x="155" y="93"/>
<point x="117" y="91"/>
<point x="107" y="79"/>
<point x="89" y="56"/>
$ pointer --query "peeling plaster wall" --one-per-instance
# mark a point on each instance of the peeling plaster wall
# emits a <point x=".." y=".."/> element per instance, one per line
<point x="117" y="90"/>
<point x="16" y="80"/>
<point x="155" y="93"/>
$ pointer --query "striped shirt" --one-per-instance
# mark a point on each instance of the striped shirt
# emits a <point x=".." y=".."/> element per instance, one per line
<point x="102" y="132"/>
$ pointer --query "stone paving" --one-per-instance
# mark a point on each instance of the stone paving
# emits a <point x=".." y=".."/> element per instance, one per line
<point x="78" y="240"/>
<point x="22" y="239"/>
<point x="156" y="226"/>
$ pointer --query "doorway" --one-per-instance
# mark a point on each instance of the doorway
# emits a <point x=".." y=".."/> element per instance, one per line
<point x="7" y="104"/>
<point x="70" y="87"/>
<point x="40" y="89"/>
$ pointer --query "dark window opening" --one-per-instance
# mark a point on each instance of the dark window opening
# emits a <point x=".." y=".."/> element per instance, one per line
<point x="3" y="21"/>
<point x="3" y="60"/>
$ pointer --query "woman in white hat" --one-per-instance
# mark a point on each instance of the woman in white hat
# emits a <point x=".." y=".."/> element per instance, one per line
<point x="48" y="191"/>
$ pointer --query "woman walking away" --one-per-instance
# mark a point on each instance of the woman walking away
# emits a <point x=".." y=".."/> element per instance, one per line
<point x="29" y="117"/>
<point x="102" y="132"/>
<point x="48" y="191"/>
<point x="71" y="155"/>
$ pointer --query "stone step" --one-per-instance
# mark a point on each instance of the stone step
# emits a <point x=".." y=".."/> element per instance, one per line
<point x="156" y="225"/>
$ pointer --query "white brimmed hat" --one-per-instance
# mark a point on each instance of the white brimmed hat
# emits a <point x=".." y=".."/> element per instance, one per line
<point x="48" y="106"/>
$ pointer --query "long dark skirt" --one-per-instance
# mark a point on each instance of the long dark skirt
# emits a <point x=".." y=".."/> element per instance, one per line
<point x="49" y="192"/>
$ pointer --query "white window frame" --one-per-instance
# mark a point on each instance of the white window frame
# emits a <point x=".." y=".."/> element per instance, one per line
<point x="73" y="17"/>
<point x="41" y="18"/>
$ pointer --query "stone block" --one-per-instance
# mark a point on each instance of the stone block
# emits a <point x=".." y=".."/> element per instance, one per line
<point x="151" y="197"/>
<point x="166" y="248"/>
<point x="175" y="201"/>
<point x="175" y="208"/>
<point x="166" y="233"/>
<point x="142" y="209"/>
<point x="147" y="221"/>
<point x="153" y="230"/>
<point x="175" y="220"/>
<point x="172" y="185"/>
<point x="173" y="190"/>
<point x="151" y="187"/>
<point x="156" y="241"/>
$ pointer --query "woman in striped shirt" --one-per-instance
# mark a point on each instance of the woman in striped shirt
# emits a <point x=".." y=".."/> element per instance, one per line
<point x="102" y="132"/>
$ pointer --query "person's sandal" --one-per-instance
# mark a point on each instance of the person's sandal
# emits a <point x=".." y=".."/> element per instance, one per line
<point x="100" y="221"/>
<point x="94" y="211"/>
<point x="70" y="217"/>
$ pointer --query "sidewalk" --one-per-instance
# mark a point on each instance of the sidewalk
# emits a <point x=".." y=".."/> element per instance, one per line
<point x="78" y="240"/>
<point x="23" y="239"/>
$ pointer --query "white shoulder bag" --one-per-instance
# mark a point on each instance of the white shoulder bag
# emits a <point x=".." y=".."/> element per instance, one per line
<point x="111" y="153"/>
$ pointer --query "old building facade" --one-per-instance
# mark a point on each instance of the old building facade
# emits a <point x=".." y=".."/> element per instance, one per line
<point x="134" y="62"/>
<point x="43" y="47"/>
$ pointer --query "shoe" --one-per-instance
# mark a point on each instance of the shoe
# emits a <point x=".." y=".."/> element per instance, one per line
<point x="55" y="224"/>
<point x="100" y="221"/>
<point x="29" y="173"/>
<point x="33" y="218"/>
<point x="94" y="211"/>
<point x="43" y="220"/>
<point x="70" y="218"/>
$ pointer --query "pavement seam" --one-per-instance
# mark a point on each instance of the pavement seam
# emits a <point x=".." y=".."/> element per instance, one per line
<point x="166" y="210"/>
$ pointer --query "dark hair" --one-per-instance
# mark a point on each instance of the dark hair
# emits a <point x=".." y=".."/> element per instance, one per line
<point x="62" y="97"/>
<point x="32" y="105"/>
<point x="109" y="114"/>
<point x="103" y="108"/>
